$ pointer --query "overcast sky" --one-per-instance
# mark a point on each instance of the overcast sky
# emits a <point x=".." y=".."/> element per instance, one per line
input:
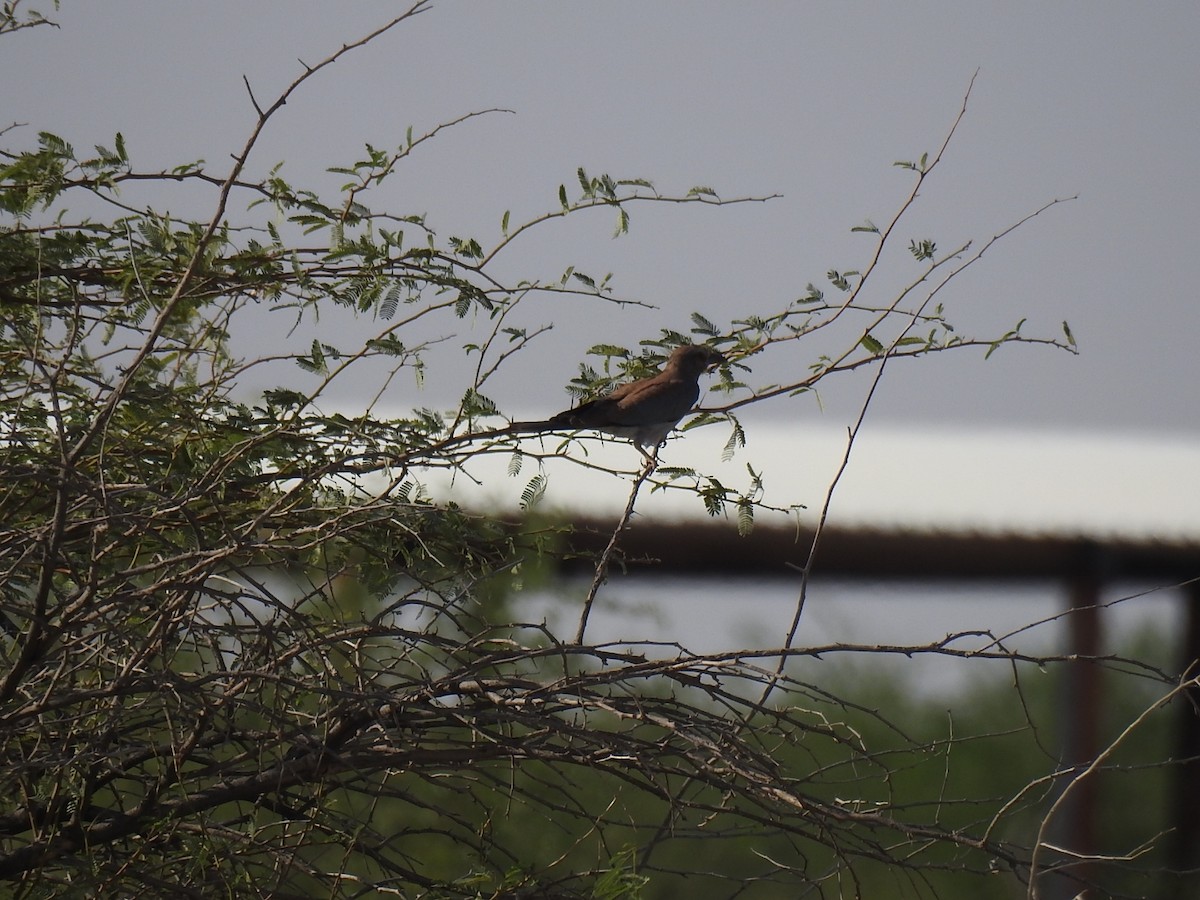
<point x="813" y="101"/>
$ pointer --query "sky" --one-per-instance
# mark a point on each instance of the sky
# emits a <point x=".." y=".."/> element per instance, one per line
<point x="811" y="101"/>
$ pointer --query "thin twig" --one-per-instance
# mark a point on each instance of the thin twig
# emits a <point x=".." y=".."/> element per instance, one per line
<point x="601" y="573"/>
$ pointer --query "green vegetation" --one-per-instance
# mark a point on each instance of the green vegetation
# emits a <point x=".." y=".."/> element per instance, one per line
<point x="245" y="652"/>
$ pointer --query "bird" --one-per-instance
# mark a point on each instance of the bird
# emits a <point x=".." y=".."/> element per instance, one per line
<point x="644" y="410"/>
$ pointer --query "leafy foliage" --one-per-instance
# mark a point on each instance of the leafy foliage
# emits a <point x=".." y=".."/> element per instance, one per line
<point x="247" y="651"/>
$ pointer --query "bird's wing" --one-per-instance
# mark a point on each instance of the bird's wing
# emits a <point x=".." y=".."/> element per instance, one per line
<point x="617" y="407"/>
<point x="660" y="399"/>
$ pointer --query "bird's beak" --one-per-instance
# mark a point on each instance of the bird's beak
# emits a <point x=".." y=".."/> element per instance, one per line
<point x="715" y="358"/>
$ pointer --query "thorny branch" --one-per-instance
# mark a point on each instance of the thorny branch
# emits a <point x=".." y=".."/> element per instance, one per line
<point x="241" y="644"/>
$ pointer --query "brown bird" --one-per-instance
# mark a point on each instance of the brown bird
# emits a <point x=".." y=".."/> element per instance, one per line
<point x="645" y="410"/>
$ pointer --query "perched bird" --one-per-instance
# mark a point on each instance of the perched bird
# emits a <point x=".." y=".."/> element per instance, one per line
<point x="645" y="410"/>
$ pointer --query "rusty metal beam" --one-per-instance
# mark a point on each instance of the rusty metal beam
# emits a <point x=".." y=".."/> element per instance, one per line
<point x="704" y="548"/>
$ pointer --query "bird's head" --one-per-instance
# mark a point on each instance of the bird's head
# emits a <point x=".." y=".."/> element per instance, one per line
<point x="694" y="359"/>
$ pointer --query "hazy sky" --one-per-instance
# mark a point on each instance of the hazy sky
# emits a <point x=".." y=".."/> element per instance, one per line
<point x="813" y="101"/>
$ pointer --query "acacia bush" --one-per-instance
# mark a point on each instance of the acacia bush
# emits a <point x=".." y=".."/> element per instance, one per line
<point x="245" y="652"/>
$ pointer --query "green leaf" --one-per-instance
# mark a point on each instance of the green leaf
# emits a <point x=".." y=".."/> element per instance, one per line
<point x="703" y="325"/>
<point x="814" y="295"/>
<point x="466" y="247"/>
<point x="476" y="404"/>
<point x="745" y="517"/>
<point x="840" y="280"/>
<point x="515" y="463"/>
<point x="534" y="491"/>
<point x="388" y="345"/>
<point x="673" y="472"/>
<point x="922" y="250"/>
<point x="1067" y="333"/>
<point x="737" y="438"/>
<point x="871" y="344"/>
<point x="562" y="197"/>
<point x="608" y="350"/>
<point x="391" y="302"/>
<point x="714" y="494"/>
<point x="284" y="398"/>
<point x="622" y="222"/>
<point x="315" y="361"/>
<point x="620" y="881"/>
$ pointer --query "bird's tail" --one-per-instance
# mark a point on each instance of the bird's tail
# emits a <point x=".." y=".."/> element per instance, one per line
<point x="531" y="427"/>
<point x="566" y="420"/>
